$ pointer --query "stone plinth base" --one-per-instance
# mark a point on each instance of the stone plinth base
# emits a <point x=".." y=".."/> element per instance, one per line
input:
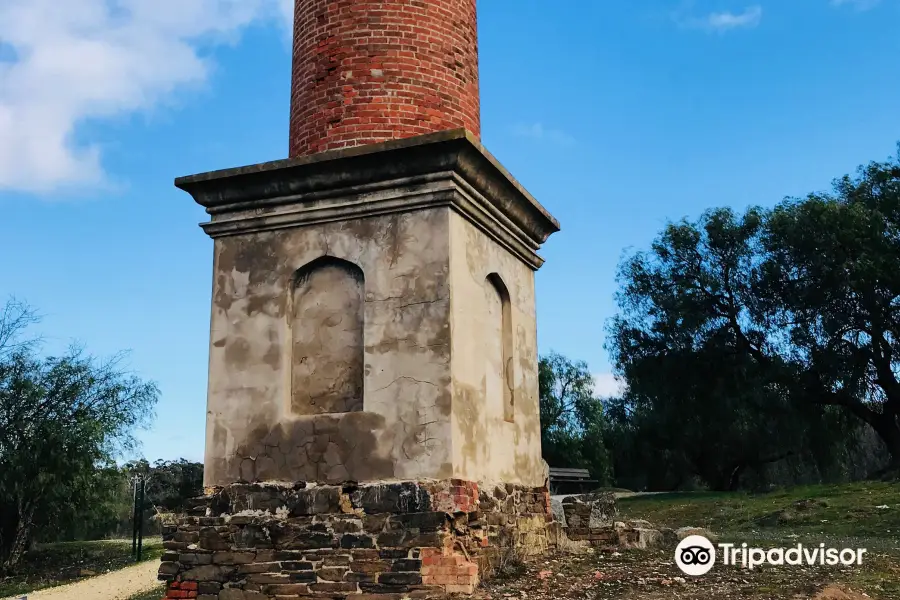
<point x="381" y="540"/>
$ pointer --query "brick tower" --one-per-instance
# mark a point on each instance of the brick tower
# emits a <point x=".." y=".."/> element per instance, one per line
<point x="367" y="72"/>
<point x="372" y="410"/>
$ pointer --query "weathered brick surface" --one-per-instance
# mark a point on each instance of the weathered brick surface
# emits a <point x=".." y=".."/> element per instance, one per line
<point x="366" y="72"/>
<point x="377" y="541"/>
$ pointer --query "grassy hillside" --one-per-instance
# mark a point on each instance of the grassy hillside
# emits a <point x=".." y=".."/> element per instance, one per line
<point x="863" y="515"/>
<point x="853" y="510"/>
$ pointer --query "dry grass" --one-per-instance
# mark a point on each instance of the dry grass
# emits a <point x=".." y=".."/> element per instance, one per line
<point x="847" y="516"/>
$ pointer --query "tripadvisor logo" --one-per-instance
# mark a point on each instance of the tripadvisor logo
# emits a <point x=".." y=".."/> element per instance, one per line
<point x="696" y="555"/>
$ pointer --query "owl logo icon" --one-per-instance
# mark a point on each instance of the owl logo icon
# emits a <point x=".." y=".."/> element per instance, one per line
<point x="695" y="555"/>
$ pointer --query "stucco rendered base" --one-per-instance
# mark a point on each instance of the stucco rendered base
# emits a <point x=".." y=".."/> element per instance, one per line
<point x="397" y="540"/>
<point x="373" y="317"/>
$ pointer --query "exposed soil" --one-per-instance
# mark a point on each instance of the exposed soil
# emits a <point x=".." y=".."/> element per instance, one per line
<point x="653" y="575"/>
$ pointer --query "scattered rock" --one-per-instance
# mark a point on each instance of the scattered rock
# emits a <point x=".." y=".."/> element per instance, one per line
<point x="640" y="523"/>
<point x="558" y="513"/>
<point x="668" y="538"/>
<point x="639" y="538"/>
<point x="590" y="510"/>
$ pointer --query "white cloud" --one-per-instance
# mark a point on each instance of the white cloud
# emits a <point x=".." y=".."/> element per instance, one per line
<point x="287" y="10"/>
<point x="721" y="22"/>
<point x="857" y="4"/>
<point x="726" y="20"/>
<point x="537" y="131"/>
<point x="63" y="62"/>
<point x="606" y="385"/>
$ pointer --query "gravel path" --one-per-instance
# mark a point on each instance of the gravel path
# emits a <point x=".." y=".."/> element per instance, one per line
<point x="118" y="585"/>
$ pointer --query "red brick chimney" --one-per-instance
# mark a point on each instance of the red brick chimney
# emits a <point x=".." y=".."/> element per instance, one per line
<point x="368" y="71"/>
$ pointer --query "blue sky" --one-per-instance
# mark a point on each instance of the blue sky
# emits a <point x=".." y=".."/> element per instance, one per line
<point x="617" y="116"/>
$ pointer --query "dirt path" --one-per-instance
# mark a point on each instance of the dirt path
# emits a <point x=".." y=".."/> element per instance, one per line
<point x="118" y="585"/>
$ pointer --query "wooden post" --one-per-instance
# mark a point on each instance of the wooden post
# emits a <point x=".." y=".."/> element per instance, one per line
<point x="134" y="521"/>
<point x="140" y="540"/>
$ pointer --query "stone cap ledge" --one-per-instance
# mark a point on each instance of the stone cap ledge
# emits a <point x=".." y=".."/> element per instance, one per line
<point x="393" y="176"/>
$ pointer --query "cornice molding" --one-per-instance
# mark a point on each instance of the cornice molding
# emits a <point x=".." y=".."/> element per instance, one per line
<point x="449" y="168"/>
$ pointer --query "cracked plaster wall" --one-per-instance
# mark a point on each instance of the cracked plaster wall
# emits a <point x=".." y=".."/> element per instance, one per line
<point x="403" y="430"/>
<point x="487" y="447"/>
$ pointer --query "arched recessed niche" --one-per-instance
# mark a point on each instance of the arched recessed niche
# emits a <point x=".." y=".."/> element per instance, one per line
<point x="499" y="363"/>
<point x="327" y="348"/>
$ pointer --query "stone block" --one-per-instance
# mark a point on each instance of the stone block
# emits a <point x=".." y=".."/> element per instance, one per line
<point x="302" y="576"/>
<point x="314" y="501"/>
<point x="169" y="568"/>
<point x="258" y="567"/>
<point x="359" y="577"/>
<point x="400" y="578"/>
<point x="350" y="541"/>
<point x="589" y="510"/>
<point x="286" y="589"/>
<point x="337" y="560"/>
<point x="251" y="536"/>
<point x="195" y="559"/>
<point x="332" y="587"/>
<point x="382" y="588"/>
<point x="186" y="537"/>
<point x="208" y="573"/>
<point x="332" y="573"/>
<point x="394" y="498"/>
<point x="424" y="521"/>
<point x="209" y="587"/>
<point x="406" y="565"/>
<point x="291" y="565"/>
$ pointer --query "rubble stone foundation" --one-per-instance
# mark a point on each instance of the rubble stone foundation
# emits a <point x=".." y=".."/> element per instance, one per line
<point x="418" y="539"/>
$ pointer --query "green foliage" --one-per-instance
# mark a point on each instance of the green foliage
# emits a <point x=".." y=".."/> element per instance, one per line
<point x="105" y="509"/>
<point x="755" y="339"/>
<point x="169" y="484"/>
<point x="62" y="421"/>
<point x="572" y="421"/>
<point x="830" y="285"/>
